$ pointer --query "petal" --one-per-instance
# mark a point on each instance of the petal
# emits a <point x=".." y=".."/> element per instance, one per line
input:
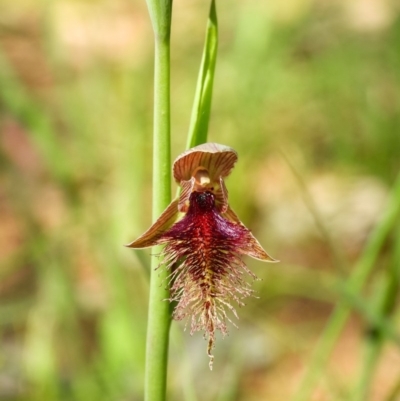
<point x="231" y="216"/>
<point x="256" y="251"/>
<point x="187" y="188"/>
<point x="253" y="248"/>
<point x="221" y="196"/>
<point x="217" y="159"/>
<point x="152" y="235"/>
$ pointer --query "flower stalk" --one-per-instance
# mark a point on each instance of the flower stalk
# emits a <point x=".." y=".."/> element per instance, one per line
<point x="159" y="312"/>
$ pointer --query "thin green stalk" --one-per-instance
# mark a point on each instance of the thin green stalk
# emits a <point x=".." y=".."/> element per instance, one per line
<point x="356" y="281"/>
<point x="159" y="312"/>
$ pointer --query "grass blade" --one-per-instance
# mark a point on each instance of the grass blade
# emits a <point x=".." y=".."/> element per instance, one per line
<point x="200" y="118"/>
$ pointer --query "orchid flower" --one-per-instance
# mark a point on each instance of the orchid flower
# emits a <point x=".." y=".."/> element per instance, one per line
<point x="204" y="243"/>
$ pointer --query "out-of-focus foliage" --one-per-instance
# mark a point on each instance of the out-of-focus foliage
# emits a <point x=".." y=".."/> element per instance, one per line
<point x="307" y="83"/>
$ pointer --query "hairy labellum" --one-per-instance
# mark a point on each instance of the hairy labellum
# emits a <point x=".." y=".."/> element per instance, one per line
<point x="204" y="249"/>
<point x="210" y="275"/>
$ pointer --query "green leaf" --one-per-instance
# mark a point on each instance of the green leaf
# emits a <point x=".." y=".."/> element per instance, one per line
<point x="202" y="102"/>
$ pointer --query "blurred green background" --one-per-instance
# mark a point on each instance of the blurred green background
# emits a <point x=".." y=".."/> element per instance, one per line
<point x="307" y="92"/>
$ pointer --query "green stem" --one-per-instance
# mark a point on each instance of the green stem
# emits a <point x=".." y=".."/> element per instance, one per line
<point x="161" y="139"/>
<point x="159" y="310"/>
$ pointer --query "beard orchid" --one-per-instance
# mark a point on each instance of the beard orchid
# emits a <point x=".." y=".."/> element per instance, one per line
<point x="204" y="243"/>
